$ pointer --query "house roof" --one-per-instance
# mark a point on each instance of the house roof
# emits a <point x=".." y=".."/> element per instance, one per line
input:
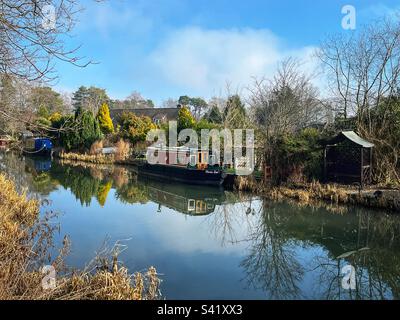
<point x="152" y="113"/>
<point x="353" y="137"/>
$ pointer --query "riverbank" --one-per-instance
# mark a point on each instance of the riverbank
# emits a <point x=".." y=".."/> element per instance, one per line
<point x="305" y="193"/>
<point x="25" y="242"/>
<point x="377" y="198"/>
<point x="372" y="197"/>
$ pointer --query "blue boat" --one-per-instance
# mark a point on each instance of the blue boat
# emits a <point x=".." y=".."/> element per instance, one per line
<point x="38" y="146"/>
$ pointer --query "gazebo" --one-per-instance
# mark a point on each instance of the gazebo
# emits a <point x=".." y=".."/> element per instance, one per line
<point x="348" y="159"/>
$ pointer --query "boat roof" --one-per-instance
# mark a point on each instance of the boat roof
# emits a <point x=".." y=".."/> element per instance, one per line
<point x="353" y="137"/>
<point x="183" y="148"/>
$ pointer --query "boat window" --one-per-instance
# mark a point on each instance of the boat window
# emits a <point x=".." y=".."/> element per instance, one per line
<point x="191" y="205"/>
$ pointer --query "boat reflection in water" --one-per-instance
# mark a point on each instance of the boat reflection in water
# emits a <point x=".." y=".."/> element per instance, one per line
<point x="227" y="245"/>
<point x="37" y="164"/>
<point x="195" y="200"/>
<point x="88" y="181"/>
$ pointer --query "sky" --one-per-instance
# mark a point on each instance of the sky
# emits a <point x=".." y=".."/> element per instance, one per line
<point x="168" y="48"/>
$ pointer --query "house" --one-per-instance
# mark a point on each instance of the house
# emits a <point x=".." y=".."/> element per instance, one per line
<point x="157" y="115"/>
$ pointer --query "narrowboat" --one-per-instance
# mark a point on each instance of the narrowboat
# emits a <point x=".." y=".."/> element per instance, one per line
<point x="38" y="146"/>
<point x="201" y="168"/>
<point x="195" y="201"/>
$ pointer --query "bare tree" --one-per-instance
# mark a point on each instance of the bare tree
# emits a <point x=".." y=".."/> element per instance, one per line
<point x="31" y="37"/>
<point x="363" y="71"/>
<point x="363" y="67"/>
<point x="286" y="103"/>
<point x="170" y="103"/>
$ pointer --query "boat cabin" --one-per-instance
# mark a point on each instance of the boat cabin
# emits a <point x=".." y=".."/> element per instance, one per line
<point x="187" y="157"/>
<point x="38" y="146"/>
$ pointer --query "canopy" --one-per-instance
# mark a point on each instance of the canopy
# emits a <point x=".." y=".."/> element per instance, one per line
<point x="353" y="137"/>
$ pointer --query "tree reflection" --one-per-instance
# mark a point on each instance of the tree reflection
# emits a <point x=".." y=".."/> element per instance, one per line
<point x="272" y="265"/>
<point x="226" y="225"/>
<point x="375" y="257"/>
<point x="281" y="235"/>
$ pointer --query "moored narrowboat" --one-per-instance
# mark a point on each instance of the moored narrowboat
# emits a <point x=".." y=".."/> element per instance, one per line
<point x="38" y="146"/>
<point x="201" y="168"/>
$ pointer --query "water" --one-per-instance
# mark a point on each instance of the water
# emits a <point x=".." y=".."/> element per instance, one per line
<point x="208" y="243"/>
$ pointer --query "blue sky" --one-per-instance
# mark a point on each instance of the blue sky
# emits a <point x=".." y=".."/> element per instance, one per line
<point x="168" y="48"/>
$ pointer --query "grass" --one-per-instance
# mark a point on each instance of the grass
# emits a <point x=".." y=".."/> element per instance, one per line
<point x="25" y="240"/>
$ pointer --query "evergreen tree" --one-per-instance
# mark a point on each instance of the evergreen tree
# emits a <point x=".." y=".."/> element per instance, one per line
<point x="79" y="98"/>
<point x="86" y="131"/>
<point x="185" y="119"/>
<point x="104" y="118"/>
<point x="214" y="115"/>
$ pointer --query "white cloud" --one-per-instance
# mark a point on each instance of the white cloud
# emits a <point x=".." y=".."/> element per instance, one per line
<point x="203" y="61"/>
<point x="378" y="11"/>
<point x="108" y="19"/>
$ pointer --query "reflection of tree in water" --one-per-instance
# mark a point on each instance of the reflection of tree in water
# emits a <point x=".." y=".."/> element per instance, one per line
<point x="225" y="222"/>
<point x="132" y="193"/>
<point x="278" y="230"/>
<point x="375" y="257"/>
<point x="271" y="264"/>
<point x="85" y="182"/>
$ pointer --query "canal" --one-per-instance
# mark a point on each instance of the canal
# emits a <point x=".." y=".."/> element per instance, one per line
<point x="209" y="243"/>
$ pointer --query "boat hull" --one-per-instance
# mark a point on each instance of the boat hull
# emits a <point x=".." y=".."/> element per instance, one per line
<point x="182" y="174"/>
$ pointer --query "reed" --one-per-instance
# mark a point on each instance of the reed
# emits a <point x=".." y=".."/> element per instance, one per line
<point x="84" y="157"/>
<point x="25" y="240"/>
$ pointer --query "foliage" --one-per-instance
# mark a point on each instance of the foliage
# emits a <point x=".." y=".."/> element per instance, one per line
<point x="90" y="99"/>
<point x="132" y="193"/>
<point x="55" y="119"/>
<point x="204" y="124"/>
<point x="234" y="115"/>
<point x="104" y="118"/>
<point x="135" y="128"/>
<point x="214" y="115"/>
<point x="134" y="101"/>
<point x="185" y="119"/>
<point x="383" y="122"/>
<point x="102" y="192"/>
<point x="86" y="131"/>
<point x="296" y="156"/>
<point x="197" y="105"/>
<point x="43" y="122"/>
<point x="43" y="112"/>
<point x="234" y="103"/>
<point x="45" y="99"/>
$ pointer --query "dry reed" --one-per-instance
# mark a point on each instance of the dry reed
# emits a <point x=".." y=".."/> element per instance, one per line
<point x="24" y="248"/>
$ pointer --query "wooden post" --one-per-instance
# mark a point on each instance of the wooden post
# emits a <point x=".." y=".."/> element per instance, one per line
<point x="370" y="165"/>
<point x="325" y="165"/>
<point x="362" y="168"/>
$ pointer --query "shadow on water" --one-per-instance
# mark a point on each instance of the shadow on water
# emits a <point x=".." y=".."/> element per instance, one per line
<point x="280" y="250"/>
